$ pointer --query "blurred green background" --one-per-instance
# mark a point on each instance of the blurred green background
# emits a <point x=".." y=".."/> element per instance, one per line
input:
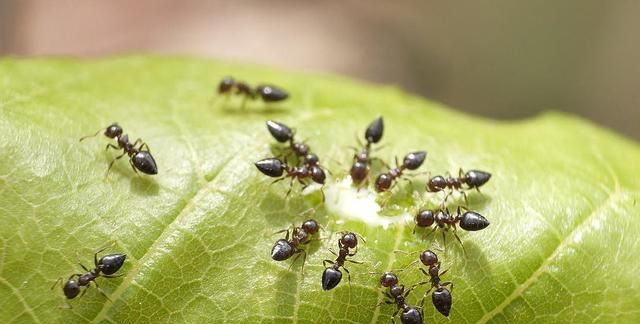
<point x="500" y="58"/>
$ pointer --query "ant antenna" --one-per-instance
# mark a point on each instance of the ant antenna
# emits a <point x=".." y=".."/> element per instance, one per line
<point x="94" y="135"/>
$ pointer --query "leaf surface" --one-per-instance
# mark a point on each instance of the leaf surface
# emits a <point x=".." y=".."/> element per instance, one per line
<point x="563" y="201"/>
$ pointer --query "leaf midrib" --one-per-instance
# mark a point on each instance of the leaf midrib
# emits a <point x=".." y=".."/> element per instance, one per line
<point x="169" y="229"/>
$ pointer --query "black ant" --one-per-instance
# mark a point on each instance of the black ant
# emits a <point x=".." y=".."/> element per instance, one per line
<point x="397" y="295"/>
<point x="268" y="93"/>
<point x="331" y="276"/>
<point x="361" y="160"/>
<point x="411" y="161"/>
<point x="285" y="248"/>
<point x="275" y="168"/>
<point x="139" y="158"/>
<point x="469" y="221"/>
<point x="105" y="267"/>
<point x="472" y="179"/>
<point x="441" y="297"/>
<point x="282" y="133"/>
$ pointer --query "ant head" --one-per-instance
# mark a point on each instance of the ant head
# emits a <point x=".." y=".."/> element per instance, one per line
<point x="428" y="258"/>
<point x="349" y="240"/>
<point x="330" y="278"/>
<point x="113" y="130"/>
<point x="282" y="250"/>
<point x="279" y="131"/>
<point x="373" y="134"/>
<point x="110" y="264"/>
<point x="317" y="174"/>
<point x="388" y="279"/>
<point x="383" y="182"/>
<point x="310" y="226"/>
<point x="476" y="178"/>
<point x="359" y="172"/>
<point x="414" y="160"/>
<point x="271" y="93"/>
<point x="226" y="84"/>
<point x="436" y="184"/>
<point x="271" y="167"/>
<point x="71" y="289"/>
<point x="425" y="218"/>
<point x="311" y="159"/>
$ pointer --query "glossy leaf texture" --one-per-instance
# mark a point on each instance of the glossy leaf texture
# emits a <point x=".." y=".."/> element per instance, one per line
<point x="563" y="201"/>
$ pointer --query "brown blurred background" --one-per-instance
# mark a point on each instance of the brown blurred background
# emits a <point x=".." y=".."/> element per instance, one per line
<point x="496" y="58"/>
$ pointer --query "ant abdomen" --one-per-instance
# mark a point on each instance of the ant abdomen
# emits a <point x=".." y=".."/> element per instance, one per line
<point x="476" y="178"/>
<point x="271" y="93"/>
<point x="472" y="221"/>
<point x="414" y="160"/>
<point x="271" y="167"/>
<point x="282" y="250"/>
<point x="281" y="132"/>
<point x="331" y="278"/>
<point x="110" y="264"/>
<point x="373" y="134"/>
<point x="144" y="162"/>
<point x="442" y="300"/>
<point x="411" y="315"/>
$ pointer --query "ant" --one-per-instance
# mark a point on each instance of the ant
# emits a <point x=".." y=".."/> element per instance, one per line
<point x="397" y="295"/>
<point x="282" y="133"/>
<point x="441" y="297"/>
<point x="139" y="158"/>
<point x="411" y="161"/>
<point x="275" y="168"/>
<point x="472" y="179"/>
<point x="331" y="276"/>
<point x="469" y="221"/>
<point x="268" y="93"/>
<point x="361" y="160"/>
<point x="285" y="248"/>
<point x="105" y="267"/>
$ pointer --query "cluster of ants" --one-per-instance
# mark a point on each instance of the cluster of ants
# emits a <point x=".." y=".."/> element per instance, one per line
<point x="305" y="170"/>
<point x="309" y="169"/>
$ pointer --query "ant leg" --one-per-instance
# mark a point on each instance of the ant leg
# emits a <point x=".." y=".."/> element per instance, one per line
<point x="114" y="160"/>
<point x="244" y="102"/>
<point x="458" y="238"/>
<point x="85" y="268"/>
<point x="324" y="262"/>
<point x="133" y="166"/>
<point x="393" y="317"/>
<point x="448" y="283"/>
<point x="356" y="262"/>
<point x="348" y="275"/>
<point x="95" y="257"/>
<point x="113" y="276"/>
<point x="290" y="188"/>
<point x="334" y="253"/>
<point x="443" y="272"/>
<point x="111" y="146"/>
<point x="277" y="180"/>
<point x="100" y="290"/>
<point x="59" y="279"/>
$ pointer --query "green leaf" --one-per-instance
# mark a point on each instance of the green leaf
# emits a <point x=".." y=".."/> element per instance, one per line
<point x="563" y="201"/>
